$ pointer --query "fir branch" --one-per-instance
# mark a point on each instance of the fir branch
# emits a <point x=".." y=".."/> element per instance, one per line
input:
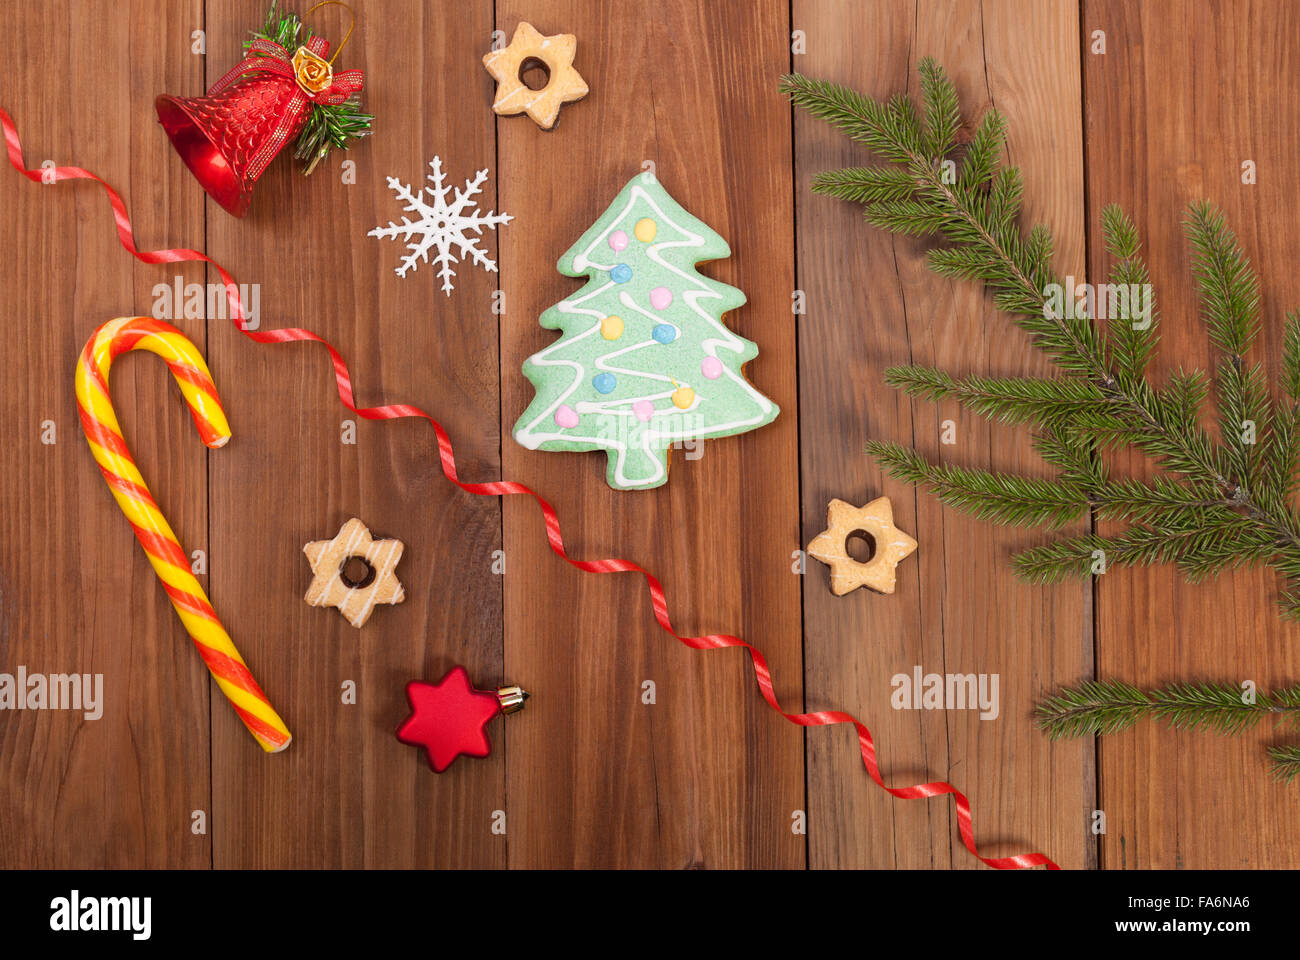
<point x="906" y="217"/>
<point x="859" y="118"/>
<point x="1038" y="253"/>
<point x="1009" y="399"/>
<point x="959" y="263"/>
<point x="1184" y="395"/>
<point x="1133" y="326"/>
<point x="963" y="212"/>
<point x="1289" y="603"/>
<point x="1244" y="417"/>
<point x="1286" y="702"/>
<point x="1094" y="707"/>
<point x="1229" y="288"/>
<point x="1216" y="706"/>
<point x="1276" y="482"/>
<point x="1076" y="458"/>
<point x="864" y="184"/>
<point x="1000" y="497"/>
<point x="1230" y="306"/>
<point x="1291" y="356"/>
<point x="1220" y="503"/>
<point x="1286" y="762"/>
<point x="1199" y="548"/>
<point x="984" y="150"/>
<point x="942" y="110"/>
<point x="1163" y="499"/>
<point x="1098" y="707"/>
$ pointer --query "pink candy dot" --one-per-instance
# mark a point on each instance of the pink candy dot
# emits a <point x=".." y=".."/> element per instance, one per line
<point x="660" y="297"/>
<point x="566" y="416"/>
<point x="711" y="367"/>
<point x="644" y="410"/>
<point x="618" y="240"/>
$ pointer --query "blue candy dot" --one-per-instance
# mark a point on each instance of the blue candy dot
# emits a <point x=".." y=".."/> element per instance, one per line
<point x="664" y="333"/>
<point x="604" y="382"/>
<point x="621" y="273"/>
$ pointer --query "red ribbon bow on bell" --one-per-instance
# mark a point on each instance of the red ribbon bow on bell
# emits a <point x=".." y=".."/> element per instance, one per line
<point x="308" y="68"/>
<point x="229" y="137"/>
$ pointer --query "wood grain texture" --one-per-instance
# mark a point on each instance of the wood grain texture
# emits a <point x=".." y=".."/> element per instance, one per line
<point x="76" y="592"/>
<point x="346" y="794"/>
<point x="958" y="608"/>
<point x="1186" y="92"/>
<point x="707" y="776"/>
<point x="589" y="775"/>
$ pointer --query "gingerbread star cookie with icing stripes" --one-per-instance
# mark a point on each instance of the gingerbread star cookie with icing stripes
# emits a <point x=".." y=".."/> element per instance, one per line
<point x="355" y="594"/>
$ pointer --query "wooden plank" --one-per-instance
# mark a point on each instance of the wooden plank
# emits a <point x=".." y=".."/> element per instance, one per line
<point x="872" y="304"/>
<point x="76" y="592"/>
<point x="707" y="776"/>
<point x="1184" y="94"/>
<point x="346" y="793"/>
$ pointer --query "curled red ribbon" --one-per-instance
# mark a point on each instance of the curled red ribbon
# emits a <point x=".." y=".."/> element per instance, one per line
<point x="659" y="601"/>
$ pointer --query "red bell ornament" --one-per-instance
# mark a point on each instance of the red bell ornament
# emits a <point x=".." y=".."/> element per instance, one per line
<point x="230" y="136"/>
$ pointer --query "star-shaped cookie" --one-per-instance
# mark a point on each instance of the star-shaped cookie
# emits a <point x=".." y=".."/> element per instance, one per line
<point x="514" y="96"/>
<point x="330" y="587"/>
<point x="892" y="545"/>
<point x="447" y="718"/>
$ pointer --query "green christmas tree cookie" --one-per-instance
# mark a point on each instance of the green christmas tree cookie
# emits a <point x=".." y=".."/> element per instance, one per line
<point x="644" y="361"/>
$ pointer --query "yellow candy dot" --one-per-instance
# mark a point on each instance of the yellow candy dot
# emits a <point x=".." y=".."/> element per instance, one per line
<point x="611" y="328"/>
<point x="683" y="397"/>
<point x="645" y="229"/>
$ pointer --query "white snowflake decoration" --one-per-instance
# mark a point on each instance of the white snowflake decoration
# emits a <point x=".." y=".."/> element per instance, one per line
<point x="442" y="225"/>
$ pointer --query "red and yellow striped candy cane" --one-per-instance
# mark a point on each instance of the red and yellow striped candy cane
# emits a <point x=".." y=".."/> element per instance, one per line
<point x="151" y="528"/>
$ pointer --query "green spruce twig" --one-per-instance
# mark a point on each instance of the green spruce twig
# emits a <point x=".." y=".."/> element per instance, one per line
<point x="1286" y="762"/>
<point x="1110" y="706"/>
<point x="1220" y="501"/>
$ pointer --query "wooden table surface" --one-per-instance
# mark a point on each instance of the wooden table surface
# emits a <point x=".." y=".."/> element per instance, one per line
<point x="590" y="775"/>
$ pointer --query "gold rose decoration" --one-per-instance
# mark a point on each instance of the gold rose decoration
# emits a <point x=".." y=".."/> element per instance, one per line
<point x="312" y="73"/>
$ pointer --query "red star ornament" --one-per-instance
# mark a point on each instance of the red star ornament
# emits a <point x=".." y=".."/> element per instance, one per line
<point x="447" y="718"/>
